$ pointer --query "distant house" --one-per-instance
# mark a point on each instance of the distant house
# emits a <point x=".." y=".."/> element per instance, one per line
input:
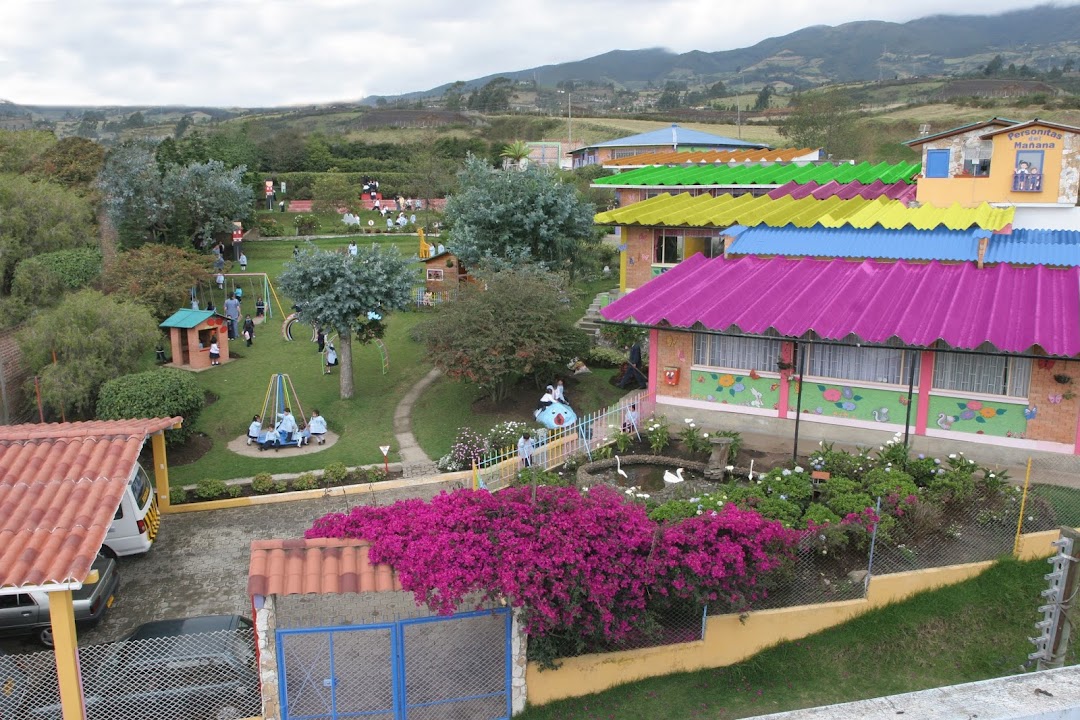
<point x="1033" y="166"/>
<point x="673" y="138"/>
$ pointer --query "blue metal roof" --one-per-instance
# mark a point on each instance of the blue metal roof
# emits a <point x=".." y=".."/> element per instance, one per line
<point x="680" y="136"/>
<point x="1058" y="248"/>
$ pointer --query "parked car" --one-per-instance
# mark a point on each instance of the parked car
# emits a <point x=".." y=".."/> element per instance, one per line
<point x="28" y="613"/>
<point x="198" y="668"/>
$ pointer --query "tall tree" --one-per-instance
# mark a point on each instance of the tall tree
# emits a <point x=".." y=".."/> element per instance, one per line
<point x="95" y="338"/>
<point x="73" y="162"/>
<point x="159" y="277"/>
<point x="333" y="191"/>
<point x="515" y="327"/>
<point x="39" y="217"/>
<point x="821" y="120"/>
<point x="349" y="295"/>
<point x="21" y="149"/>
<point x="506" y="217"/>
<point x="517" y="153"/>
<point x="494" y="96"/>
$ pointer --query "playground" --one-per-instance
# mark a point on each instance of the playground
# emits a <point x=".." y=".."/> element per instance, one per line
<point x="238" y="390"/>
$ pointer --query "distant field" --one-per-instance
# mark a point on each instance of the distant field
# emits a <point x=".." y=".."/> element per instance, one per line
<point x="600" y="129"/>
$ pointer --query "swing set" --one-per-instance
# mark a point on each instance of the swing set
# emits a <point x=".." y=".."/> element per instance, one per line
<point x="280" y="394"/>
<point x="257" y="283"/>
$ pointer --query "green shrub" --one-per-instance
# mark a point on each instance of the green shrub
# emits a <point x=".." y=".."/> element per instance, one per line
<point x="306" y="481"/>
<point x="839" y="486"/>
<point x="657" y="434"/>
<point x="306" y="224"/>
<point x="505" y="434"/>
<point x="281" y="486"/>
<point x="210" y="489"/>
<point x="44" y="278"/>
<point x="262" y="483"/>
<point x="336" y="473"/>
<point x="622" y="336"/>
<point x="793" y="485"/>
<point x="177" y="495"/>
<point x="818" y="514"/>
<point x="955" y="485"/>
<point x="539" y="476"/>
<point x="270" y="227"/>
<point x="777" y="508"/>
<point x="234" y="491"/>
<point x="844" y="504"/>
<point x="883" y="482"/>
<point x="673" y="511"/>
<point x="693" y="439"/>
<point x="604" y="357"/>
<point x="164" y="392"/>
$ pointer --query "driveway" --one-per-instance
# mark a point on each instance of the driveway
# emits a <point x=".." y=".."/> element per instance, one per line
<point x="199" y="563"/>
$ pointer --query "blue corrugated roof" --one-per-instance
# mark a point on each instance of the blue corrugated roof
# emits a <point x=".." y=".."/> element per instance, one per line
<point x="681" y="136"/>
<point x="1058" y="248"/>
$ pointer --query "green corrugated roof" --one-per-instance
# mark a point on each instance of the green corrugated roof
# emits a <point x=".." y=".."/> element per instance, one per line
<point x="764" y="174"/>
<point x="726" y="210"/>
<point x="187" y="319"/>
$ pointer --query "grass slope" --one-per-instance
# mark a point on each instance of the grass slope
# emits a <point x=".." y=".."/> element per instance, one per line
<point x="971" y="631"/>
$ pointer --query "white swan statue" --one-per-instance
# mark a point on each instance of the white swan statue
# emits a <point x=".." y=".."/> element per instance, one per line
<point x="673" y="477"/>
<point x="618" y="467"/>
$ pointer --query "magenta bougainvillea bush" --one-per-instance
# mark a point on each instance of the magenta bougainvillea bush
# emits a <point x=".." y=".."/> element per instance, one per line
<point x="589" y="561"/>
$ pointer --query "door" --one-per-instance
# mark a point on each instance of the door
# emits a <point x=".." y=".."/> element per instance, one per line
<point x="18" y="614"/>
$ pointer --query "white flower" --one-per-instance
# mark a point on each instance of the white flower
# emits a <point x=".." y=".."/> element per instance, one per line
<point x="952" y="456"/>
<point x="729" y="468"/>
<point x="695" y="499"/>
<point x="689" y="421"/>
<point x="693" y="425"/>
<point x="1031" y="517"/>
<point x="758" y="482"/>
<point x="699" y="512"/>
<point x="798" y="468"/>
<point x="783" y="497"/>
<point x="785" y="472"/>
<point x="611" y="426"/>
<point x="993" y="475"/>
<point x="704" y="435"/>
<point x="644" y="495"/>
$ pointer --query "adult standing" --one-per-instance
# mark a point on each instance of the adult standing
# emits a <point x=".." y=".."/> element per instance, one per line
<point x="320" y="338"/>
<point x="232" y="314"/>
<point x="525" y="450"/>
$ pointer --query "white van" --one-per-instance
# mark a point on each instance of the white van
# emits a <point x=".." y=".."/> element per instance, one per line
<point x="137" y="520"/>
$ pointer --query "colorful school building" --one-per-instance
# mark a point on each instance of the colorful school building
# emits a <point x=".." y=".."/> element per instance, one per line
<point x="946" y="319"/>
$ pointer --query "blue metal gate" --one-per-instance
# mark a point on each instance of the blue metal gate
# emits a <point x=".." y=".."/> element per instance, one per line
<point x="436" y="668"/>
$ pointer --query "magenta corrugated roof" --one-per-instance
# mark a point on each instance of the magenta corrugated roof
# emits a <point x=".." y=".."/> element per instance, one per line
<point x="904" y="192"/>
<point x="1014" y="309"/>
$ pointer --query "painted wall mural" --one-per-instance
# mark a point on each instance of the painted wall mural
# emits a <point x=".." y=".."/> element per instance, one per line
<point x="982" y="417"/>
<point x="750" y="389"/>
<point x="855" y="403"/>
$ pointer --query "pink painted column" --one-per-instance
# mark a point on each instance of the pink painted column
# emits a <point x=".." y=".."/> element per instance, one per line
<point x="654" y="364"/>
<point x="926" y="381"/>
<point x="787" y="353"/>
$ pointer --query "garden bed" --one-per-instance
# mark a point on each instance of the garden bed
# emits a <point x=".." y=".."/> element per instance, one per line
<point x="335" y="475"/>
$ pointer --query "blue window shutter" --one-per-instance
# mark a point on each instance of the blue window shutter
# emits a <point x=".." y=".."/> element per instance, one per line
<point x="937" y="163"/>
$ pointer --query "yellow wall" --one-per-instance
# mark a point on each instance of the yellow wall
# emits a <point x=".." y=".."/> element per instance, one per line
<point x="729" y="639"/>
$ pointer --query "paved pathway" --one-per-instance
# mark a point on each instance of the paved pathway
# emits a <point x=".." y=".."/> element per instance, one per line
<point x="414" y="462"/>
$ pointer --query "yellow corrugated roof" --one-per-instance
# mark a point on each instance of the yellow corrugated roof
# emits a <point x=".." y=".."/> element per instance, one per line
<point x="705" y="157"/>
<point x="725" y="210"/>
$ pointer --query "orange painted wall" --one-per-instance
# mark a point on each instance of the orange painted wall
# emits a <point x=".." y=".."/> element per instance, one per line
<point x="639" y="253"/>
<point x="675" y="349"/>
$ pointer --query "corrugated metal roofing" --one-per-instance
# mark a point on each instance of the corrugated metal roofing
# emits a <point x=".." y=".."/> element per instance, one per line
<point x="60" y="485"/>
<point x="761" y="174"/>
<point x="675" y="157"/>
<point x="1015" y="309"/>
<point x="900" y="191"/>
<point x="723" y="211"/>
<point x="675" y="135"/>
<point x="1035" y="247"/>
<point x="906" y="244"/>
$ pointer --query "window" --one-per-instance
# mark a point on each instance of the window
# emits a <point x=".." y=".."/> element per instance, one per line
<point x="982" y="374"/>
<point x="435" y="274"/>
<point x="671" y="246"/>
<point x="846" y="362"/>
<point x="977" y="157"/>
<point x="937" y="164"/>
<point x="1027" y="176"/>
<point x="736" y="352"/>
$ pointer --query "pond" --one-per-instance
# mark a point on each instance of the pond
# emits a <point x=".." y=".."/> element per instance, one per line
<point x="648" y="479"/>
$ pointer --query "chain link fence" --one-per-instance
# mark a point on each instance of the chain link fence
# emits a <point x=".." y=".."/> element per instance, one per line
<point x="184" y="677"/>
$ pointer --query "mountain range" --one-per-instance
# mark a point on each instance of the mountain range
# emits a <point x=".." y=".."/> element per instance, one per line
<point x="866" y="50"/>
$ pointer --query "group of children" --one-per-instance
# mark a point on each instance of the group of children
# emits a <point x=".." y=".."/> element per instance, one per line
<point x="287" y="432"/>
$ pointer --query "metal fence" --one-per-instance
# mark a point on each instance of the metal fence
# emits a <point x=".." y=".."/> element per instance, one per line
<point x="424" y="298"/>
<point x="435" y="668"/>
<point x="186" y="677"/>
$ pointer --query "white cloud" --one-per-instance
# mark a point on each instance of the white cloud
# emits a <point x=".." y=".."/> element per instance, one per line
<point x="274" y="52"/>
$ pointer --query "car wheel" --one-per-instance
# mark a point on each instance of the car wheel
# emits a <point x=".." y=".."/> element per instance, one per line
<point x="45" y="636"/>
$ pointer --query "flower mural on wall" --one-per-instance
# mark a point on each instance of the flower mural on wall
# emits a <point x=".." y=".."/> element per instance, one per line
<point x="842" y="397"/>
<point x="979" y="412"/>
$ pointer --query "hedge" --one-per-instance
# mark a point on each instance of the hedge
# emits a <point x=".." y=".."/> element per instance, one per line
<point x="44" y="278"/>
<point x="156" y="393"/>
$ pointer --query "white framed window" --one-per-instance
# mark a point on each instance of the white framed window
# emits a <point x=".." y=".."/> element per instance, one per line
<point x="737" y="353"/>
<point x="866" y="364"/>
<point x="435" y="274"/>
<point x="982" y="374"/>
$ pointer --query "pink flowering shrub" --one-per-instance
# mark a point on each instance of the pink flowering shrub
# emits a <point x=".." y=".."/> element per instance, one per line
<point x="586" y="562"/>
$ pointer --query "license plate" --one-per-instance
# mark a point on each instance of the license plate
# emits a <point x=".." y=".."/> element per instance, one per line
<point x="109" y="602"/>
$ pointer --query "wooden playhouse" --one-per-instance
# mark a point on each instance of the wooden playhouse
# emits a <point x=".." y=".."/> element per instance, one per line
<point x="190" y="335"/>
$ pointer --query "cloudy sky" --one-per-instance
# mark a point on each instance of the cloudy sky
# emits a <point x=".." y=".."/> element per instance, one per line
<point x="250" y="53"/>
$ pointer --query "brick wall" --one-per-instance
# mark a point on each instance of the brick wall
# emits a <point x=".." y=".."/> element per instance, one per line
<point x="639" y="250"/>
<point x="673" y="349"/>
<point x="1055" y="422"/>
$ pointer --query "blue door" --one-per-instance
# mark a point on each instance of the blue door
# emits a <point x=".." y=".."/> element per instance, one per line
<point x="937" y="163"/>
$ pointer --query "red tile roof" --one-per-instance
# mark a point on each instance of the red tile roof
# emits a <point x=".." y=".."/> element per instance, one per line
<point x="320" y="566"/>
<point x="60" y="485"/>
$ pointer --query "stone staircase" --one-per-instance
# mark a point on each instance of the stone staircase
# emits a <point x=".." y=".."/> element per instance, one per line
<point x="591" y="322"/>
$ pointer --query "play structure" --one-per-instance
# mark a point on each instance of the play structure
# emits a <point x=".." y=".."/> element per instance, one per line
<point x="190" y="334"/>
<point x="251" y="285"/>
<point x="280" y="394"/>
<point x="556" y="415"/>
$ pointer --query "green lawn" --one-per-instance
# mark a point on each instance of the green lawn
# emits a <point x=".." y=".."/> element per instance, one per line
<point x="330" y="223"/>
<point x="366" y="421"/>
<point x="971" y="631"/>
<point x="1064" y="500"/>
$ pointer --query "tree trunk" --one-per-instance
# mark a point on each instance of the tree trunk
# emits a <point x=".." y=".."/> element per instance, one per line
<point x="345" y="362"/>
